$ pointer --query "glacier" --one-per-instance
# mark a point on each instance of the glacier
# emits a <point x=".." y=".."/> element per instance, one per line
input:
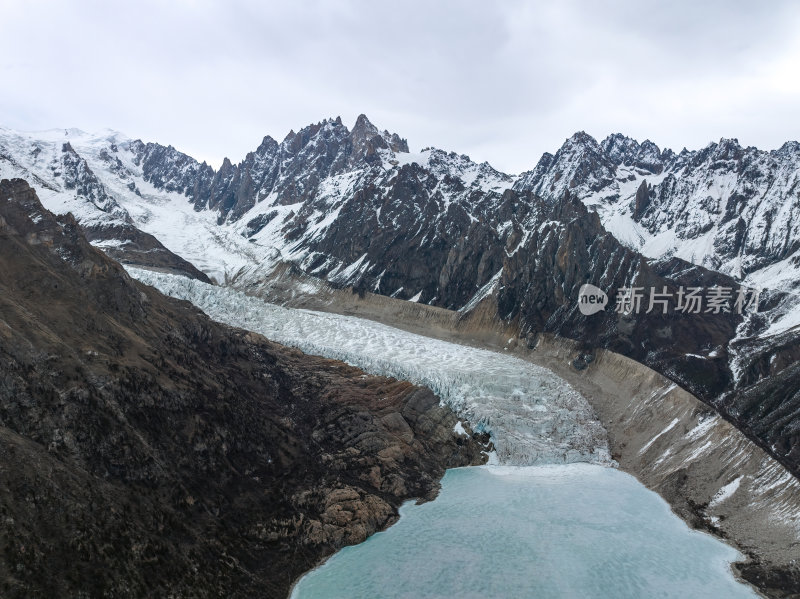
<point x="532" y="415"/>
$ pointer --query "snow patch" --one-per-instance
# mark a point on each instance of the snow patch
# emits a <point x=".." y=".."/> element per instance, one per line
<point x="459" y="429"/>
<point x="725" y="492"/>
<point x="670" y="426"/>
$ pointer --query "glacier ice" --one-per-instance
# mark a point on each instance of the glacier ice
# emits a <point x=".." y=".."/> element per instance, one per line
<point x="533" y="416"/>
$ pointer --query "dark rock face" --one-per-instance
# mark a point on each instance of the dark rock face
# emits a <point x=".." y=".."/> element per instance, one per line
<point x="641" y="201"/>
<point x="407" y="244"/>
<point x="129" y="245"/>
<point x="579" y="162"/>
<point x="540" y="284"/>
<point x="765" y="402"/>
<point x="79" y="177"/>
<point x="147" y="451"/>
<point x="184" y="175"/>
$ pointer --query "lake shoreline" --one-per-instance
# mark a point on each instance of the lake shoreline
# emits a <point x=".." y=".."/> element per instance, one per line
<point x="552" y="496"/>
<point x="668" y="439"/>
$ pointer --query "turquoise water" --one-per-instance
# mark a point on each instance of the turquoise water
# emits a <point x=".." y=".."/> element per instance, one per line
<point x="551" y="531"/>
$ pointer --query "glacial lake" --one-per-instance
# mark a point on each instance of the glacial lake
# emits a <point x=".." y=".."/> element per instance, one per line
<point x="551" y="521"/>
<point x="574" y="530"/>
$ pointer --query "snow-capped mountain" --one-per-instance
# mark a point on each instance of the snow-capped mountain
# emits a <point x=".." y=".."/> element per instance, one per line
<point x="339" y="203"/>
<point x="90" y="182"/>
<point x="729" y="208"/>
<point x="282" y="173"/>
<point x="307" y="199"/>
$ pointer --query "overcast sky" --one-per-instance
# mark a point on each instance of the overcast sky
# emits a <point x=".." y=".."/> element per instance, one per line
<point x="501" y="82"/>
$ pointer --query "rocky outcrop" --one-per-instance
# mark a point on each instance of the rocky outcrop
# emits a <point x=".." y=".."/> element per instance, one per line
<point x="146" y="450"/>
<point x="641" y="201"/>
<point x="129" y="245"/>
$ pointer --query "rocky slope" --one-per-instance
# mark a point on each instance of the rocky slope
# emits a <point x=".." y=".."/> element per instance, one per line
<point x="146" y="450"/>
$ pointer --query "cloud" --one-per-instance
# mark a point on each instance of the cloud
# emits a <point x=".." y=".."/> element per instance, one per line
<point x="501" y="82"/>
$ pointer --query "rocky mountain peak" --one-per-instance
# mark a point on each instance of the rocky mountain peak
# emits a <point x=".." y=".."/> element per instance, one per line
<point x="290" y="171"/>
<point x="729" y="208"/>
<point x="364" y="127"/>
<point x="728" y="149"/>
<point x="620" y="148"/>
<point x="581" y="138"/>
<point x="789" y="148"/>
<point x="623" y="150"/>
<point x="648" y="148"/>
<point x="649" y="158"/>
<point x="580" y="144"/>
<point x="267" y="146"/>
<point x="580" y="163"/>
<point x="367" y="138"/>
<point x="294" y="142"/>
